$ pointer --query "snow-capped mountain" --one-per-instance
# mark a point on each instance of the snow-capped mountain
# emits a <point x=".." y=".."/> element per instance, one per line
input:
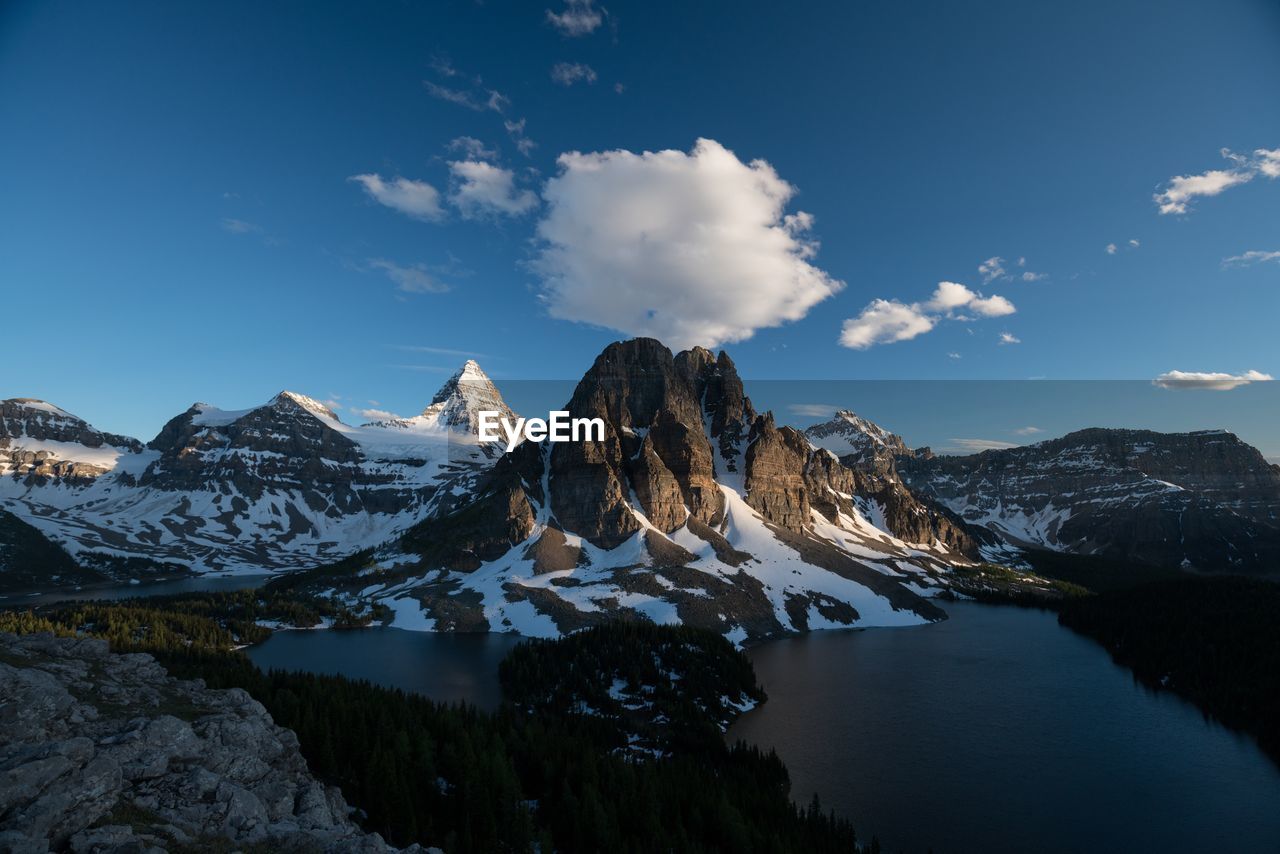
<point x="859" y="443"/>
<point x="693" y="509"/>
<point x="284" y="485"/>
<point x="1202" y="500"/>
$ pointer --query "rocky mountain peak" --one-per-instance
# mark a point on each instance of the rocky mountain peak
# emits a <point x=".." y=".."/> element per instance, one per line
<point x="456" y="406"/>
<point x="290" y="401"/>
<point x="40" y="421"/>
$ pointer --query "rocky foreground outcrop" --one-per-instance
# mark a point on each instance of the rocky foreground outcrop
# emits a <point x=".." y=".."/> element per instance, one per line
<point x="107" y="752"/>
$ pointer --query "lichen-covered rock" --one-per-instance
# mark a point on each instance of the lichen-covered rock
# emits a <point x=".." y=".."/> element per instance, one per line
<point x="106" y="752"/>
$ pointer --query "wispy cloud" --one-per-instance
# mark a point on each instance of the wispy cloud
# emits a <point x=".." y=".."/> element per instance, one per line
<point x="813" y="410"/>
<point x="992" y="269"/>
<point x="440" y="351"/>
<point x="1029" y="276"/>
<point x="977" y="446"/>
<point x="579" y="18"/>
<point x="888" y="321"/>
<point x="1208" y="381"/>
<point x="1027" y="431"/>
<point x="568" y="73"/>
<point x="471" y="148"/>
<point x="483" y="190"/>
<point x="416" y="199"/>
<point x="239" y="226"/>
<point x="1181" y="190"/>
<point x="1009" y="338"/>
<point x="425" y="369"/>
<point x="413" y="279"/>
<point x="376" y="414"/>
<point x="1253" y="256"/>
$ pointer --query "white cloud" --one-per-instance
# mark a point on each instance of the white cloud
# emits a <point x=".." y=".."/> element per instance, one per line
<point x="1133" y="243"/>
<point x="949" y="297"/>
<point x="1112" y="249"/>
<point x="1027" y="431"/>
<point x="579" y="18"/>
<point x="332" y="403"/>
<point x="954" y="356"/>
<point x="889" y="321"/>
<point x="1268" y="162"/>
<point x="472" y="148"/>
<point x="1208" y="381"/>
<point x="692" y="248"/>
<point x="1181" y="190"/>
<point x="1034" y="277"/>
<point x="440" y="351"/>
<point x="992" y="269"/>
<point x="481" y="189"/>
<point x="1253" y="256"/>
<point x="515" y="129"/>
<point x="813" y="410"/>
<point x="568" y="73"/>
<point x="885" y="322"/>
<point x="376" y="414"/>
<point x="239" y="226"/>
<point x="416" y="199"/>
<point x="1009" y="338"/>
<point x="414" y="279"/>
<point x="977" y="446"/>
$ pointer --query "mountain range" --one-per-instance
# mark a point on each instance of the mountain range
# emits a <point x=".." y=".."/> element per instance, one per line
<point x="695" y="508"/>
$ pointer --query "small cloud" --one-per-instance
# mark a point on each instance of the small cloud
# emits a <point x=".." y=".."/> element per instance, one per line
<point x="377" y="414"/>
<point x="889" y="321"/>
<point x="414" y="279"/>
<point x="438" y="351"/>
<point x="481" y="189"/>
<point x="471" y="148"/>
<point x="1009" y="338"/>
<point x="332" y="403"/>
<point x="1203" y="381"/>
<point x="1133" y="243"/>
<point x="515" y="129"/>
<point x="239" y="226"/>
<point x="568" y="73"/>
<point x="1022" y="261"/>
<point x="1181" y="190"/>
<point x="992" y="269"/>
<point x="1112" y="249"/>
<point x="459" y="97"/>
<point x="1253" y="256"/>
<point x="1027" y="431"/>
<point x="579" y="18"/>
<point x="813" y="410"/>
<point x="977" y="446"/>
<point x="618" y="88"/>
<point x="425" y="369"/>
<point x="954" y="356"/>
<point x="1029" y="276"/>
<point x="416" y="199"/>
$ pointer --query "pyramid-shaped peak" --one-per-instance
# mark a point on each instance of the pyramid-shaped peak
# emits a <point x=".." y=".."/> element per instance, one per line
<point x="292" y="398"/>
<point x="465" y="394"/>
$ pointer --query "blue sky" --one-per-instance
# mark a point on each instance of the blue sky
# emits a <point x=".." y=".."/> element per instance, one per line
<point x="182" y="217"/>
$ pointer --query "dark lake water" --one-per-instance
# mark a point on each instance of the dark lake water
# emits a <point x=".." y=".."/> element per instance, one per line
<point x="998" y="730"/>
<point x="111" y="591"/>
<point x="446" y="667"/>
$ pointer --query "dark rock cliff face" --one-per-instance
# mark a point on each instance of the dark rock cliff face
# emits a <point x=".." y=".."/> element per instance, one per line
<point x="1200" y="500"/>
<point x="106" y="752"/>
<point x="281" y="444"/>
<point x="673" y="426"/>
<point x="24" y="418"/>
<point x="870" y="454"/>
